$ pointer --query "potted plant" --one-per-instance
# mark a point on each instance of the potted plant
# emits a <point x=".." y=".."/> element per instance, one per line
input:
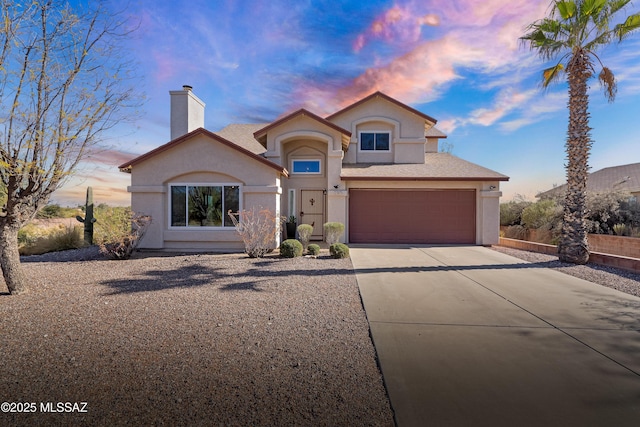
<point x="291" y="227"/>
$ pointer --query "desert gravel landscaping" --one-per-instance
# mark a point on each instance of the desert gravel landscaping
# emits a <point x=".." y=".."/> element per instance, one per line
<point x="201" y="339"/>
<point x="190" y="339"/>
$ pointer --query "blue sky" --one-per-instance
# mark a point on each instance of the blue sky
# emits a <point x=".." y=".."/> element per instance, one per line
<point x="457" y="61"/>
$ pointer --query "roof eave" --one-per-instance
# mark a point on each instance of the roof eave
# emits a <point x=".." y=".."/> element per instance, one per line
<point x="422" y="178"/>
<point x="127" y="167"/>
<point x="386" y="97"/>
<point x="262" y="133"/>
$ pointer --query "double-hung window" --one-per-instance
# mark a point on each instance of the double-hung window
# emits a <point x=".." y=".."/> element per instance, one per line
<point x="203" y="205"/>
<point x="374" y="141"/>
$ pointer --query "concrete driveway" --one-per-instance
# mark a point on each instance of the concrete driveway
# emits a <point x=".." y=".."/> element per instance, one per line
<point x="470" y="336"/>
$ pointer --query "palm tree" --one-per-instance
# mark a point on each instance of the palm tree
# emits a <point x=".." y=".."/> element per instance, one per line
<point x="572" y="34"/>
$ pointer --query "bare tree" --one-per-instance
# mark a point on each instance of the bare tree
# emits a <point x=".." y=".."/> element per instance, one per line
<point x="64" y="81"/>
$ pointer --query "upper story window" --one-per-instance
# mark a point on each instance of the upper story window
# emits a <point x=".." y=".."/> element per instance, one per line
<point x="306" y="166"/>
<point x="203" y="205"/>
<point x="374" y="141"/>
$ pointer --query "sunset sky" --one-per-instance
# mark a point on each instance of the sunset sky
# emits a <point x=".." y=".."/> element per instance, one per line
<point x="459" y="61"/>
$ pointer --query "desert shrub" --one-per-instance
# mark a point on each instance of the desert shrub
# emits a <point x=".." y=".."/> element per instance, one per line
<point x="111" y="223"/>
<point x="49" y="211"/>
<point x="339" y="250"/>
<point x="313" y="249"/>
<point x="34" y="240"/>
<point x="291" y="248"/>
<point x="304" y="234"/>
<point x="511" y="212"/>
<point x="258" y="228"/>
<point x="57" y="211"/>
<point x="621" y="230"/>
<point x="333" y="231"/>
<point x="28" y="234"/>
<point x="605" y="210"/>
<point x="546" y="214"/>
<point x="70" y="237"/>
<point x="121" y="232"/>
<point x="515" y="232"/>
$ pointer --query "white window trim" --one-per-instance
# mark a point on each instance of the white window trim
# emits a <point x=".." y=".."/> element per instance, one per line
<point x="312" y="159"/>
<point x="374" y="150"/>
<point x="200" y="184"/>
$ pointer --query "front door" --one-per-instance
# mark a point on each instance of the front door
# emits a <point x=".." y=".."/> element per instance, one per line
<point x="312" y="211"/>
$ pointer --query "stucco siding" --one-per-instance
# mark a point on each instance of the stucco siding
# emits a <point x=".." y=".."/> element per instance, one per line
<point x="300" y="127"/>
<point x="199" y="161"/>
<point x="412" y="125"/>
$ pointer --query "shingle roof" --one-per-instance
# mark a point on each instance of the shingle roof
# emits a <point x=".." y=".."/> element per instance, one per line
<point x="437" y="166"/>
<point x="260" y="134"/>
<point x="615" y="178"/>
<point x="242" y="135"/>
<point x="434" y="132"/>
<point x="126" y="167"/>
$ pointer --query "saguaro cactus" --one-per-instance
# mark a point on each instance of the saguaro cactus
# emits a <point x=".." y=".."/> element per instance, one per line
<point x="88" y="219"/>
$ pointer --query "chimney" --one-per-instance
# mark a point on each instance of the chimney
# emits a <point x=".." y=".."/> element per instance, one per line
<point x="187" y="112"/>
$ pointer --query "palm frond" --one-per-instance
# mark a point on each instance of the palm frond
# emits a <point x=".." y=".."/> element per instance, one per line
<point x="567" y="9"/>
<point x="600" y="39"/>
<point x="631" y="24"/>
<point x="616" y="5"/>
<point x="552" y="74"/>
<point x="608" y="82"/>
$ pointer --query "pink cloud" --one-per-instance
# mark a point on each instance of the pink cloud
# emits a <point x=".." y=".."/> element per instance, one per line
<point x="477" y="35"/>
<point x="109" y="157"/>
<point x="507" y="101"/>
<point x="399" y="24"/>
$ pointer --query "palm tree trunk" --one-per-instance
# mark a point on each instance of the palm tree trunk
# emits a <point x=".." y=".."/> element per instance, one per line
<point x="10" y="260"/>
<point x="573" y="246"/>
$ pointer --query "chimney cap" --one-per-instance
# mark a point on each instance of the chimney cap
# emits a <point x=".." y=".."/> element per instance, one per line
<point x="186" y="87"/>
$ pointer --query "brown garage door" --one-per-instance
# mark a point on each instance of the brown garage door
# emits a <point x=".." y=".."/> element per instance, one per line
<point x="412" y="216"/>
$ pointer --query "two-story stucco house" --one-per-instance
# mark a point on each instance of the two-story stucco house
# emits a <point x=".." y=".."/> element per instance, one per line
<point x="373" y="166"/>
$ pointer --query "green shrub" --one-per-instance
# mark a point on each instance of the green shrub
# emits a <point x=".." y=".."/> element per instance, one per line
<point x="605" y="210"/>
<point x="339" y="250"/>
<point x="313" y="249"/>
<point x="542" y="214"/>
<point x="304" y="234"/>
<point x="56" y="211"/>
<point x="511" y="212"/>
<point x="333" y="231"/>
<point x="291" y="248"/>
<point x="621" y="230"/>
<point x="49" y="211"/>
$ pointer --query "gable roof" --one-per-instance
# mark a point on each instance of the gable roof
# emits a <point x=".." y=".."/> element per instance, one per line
<point x="242" y="135"/>
<point x="433" y="132"/>
<point x="611" y="179"/>
<point x="261" y="134"/>
<point x="437" y="167"/>
<point x="381" y="95"/>
<point x="126" y="167"/>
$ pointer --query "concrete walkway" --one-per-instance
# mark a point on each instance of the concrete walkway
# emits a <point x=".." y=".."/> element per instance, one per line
<point x="470" y="336"/>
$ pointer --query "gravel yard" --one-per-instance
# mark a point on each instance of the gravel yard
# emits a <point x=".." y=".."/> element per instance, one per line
<point x="195" y="339"/>
<point x="201" y="339"/>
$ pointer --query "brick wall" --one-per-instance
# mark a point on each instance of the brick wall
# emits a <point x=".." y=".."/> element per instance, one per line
<point x="620" y="261"/>
<point x="616" y="245"/>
